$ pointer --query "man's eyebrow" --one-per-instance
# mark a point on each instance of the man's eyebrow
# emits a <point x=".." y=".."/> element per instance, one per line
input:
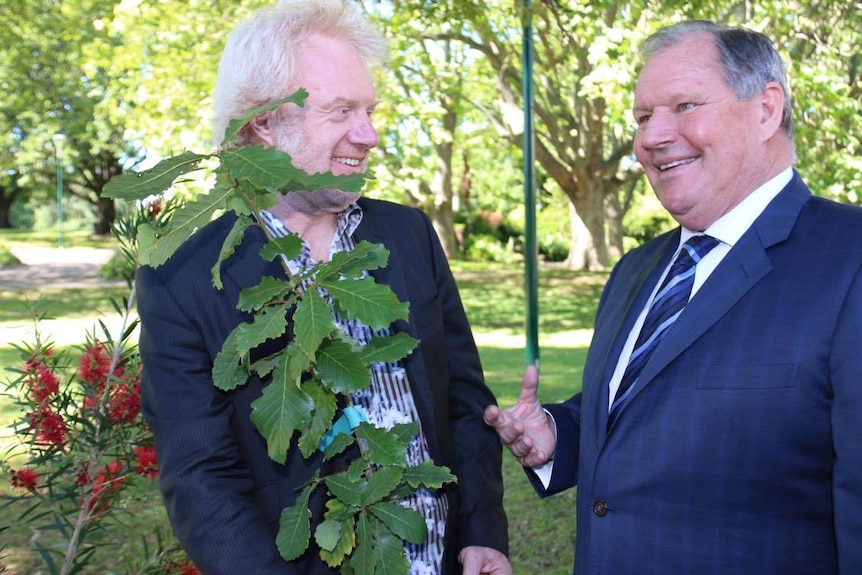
<point x="342" y="101"/>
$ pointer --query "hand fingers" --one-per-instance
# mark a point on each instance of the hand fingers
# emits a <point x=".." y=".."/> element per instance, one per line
<point x="529" y="385"/>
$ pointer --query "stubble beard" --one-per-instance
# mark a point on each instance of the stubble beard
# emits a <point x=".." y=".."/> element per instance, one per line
<point x="291" y="138"/>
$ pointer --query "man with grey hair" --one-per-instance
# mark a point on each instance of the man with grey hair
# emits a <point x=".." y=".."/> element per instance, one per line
<point x="223" y="493"/>
<point x="718" y="430"/>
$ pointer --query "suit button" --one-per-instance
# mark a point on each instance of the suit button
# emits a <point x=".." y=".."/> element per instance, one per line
<point x="600" y="508"/>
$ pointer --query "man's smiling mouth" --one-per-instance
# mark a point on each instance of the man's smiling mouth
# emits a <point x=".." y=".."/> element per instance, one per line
<point x="663" y="167"/>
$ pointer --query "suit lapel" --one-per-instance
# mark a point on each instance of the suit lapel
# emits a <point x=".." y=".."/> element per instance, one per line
<point x="743" y="267"/>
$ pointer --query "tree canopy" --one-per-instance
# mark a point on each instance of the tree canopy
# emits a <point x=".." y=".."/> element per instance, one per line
<point x="129" y="81"/>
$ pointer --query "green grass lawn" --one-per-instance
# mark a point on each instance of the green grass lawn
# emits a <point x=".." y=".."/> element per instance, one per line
<point x="541" y="531"/>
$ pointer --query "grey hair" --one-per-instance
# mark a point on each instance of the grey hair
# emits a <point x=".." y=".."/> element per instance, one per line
<point x="749" y="59"/>
<point x="258" y="62"/>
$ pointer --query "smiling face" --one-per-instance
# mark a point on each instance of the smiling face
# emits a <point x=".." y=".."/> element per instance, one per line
<point x="332" y="132"/>
<point x="703" y="150"/>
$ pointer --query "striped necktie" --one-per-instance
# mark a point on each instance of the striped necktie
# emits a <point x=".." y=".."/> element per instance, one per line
<point x="670" y="300"/>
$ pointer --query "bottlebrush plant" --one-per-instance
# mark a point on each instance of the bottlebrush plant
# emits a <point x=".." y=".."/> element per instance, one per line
<point x="81" y="443"/>
<point x="364" y="527"/>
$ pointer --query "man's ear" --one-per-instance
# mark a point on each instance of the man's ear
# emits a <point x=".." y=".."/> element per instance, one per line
<point x="262" y="128"/>
<point x="772" y="109"/>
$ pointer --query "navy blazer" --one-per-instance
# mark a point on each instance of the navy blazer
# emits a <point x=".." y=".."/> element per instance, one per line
<point x="740" y="450"/>
<point x="223" y="493"/>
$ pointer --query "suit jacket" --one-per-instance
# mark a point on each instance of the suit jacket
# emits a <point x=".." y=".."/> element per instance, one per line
<point x="740" y="450"/>
<point x="223" y="493"/>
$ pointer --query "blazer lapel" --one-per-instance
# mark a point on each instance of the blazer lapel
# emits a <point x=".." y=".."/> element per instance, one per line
<point x="604" y="351"/>
<point x="743" y="267"/>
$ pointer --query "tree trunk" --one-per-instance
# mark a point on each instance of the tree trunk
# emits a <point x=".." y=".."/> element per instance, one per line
<point x="106" y="216"/>
<point x="587" y="249"/>
<point x="5" y="206"/>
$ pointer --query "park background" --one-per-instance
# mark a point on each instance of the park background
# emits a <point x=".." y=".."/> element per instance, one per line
<point x="93" y="88"/>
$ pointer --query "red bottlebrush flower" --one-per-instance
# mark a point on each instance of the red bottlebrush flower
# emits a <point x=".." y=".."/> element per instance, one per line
<point x="49" y="426"/>
<point x="187" y="569"/>
<point x="125" y="403"/>
<point x="146" y="465"/>
<point x="25" y="479"/>
<point x="41" y="380"/>
<point x="95" y="364"/>
<point x="107" y="483"/>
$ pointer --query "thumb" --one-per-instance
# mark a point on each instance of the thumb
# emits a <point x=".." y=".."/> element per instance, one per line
<point x="529" y="385"/>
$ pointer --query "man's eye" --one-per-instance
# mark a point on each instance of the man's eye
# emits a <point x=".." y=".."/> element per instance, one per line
<point x="686" y="106"/>
<point x="641" y="120"/>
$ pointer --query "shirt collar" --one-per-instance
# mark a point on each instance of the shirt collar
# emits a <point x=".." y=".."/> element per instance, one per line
<point x="730" y="227"/>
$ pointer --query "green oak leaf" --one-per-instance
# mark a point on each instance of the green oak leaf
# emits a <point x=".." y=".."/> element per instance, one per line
<point x="269" y="289"/>
<point x="235" y="125"/>
<point x="428" y="475"/>
<point x="312" y="322"/>
<point x="343" y="545"/>
<point x="361" y="562"/>
<point x="228" y="372"/>
<point x="294" y="527"/>
<point x="373" y="304"/>
<point x="321" y="420"/>
<point x="327" y="534"/>
<point x="186" y="220"/>
<point x="340" y="367"/>
<point x="281" y="409"/>
<point x="364" y="257"/>
<point x="346" y="489"/>
<point x="383" y="446"/>
<point x="138" y="185"/>
<point x="407" y="524"/>
<point x="290" y="246"/>
<point x="231" y="241"/>
<point x="388" y="348"/>
<point x="389" y="556"/>
<point x="382" y="483"/>
<point x="271" y="323"/>
<point x="339" y="443"/>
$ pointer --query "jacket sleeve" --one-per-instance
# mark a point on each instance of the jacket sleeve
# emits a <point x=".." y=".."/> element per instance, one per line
<point x="206" y="486"/>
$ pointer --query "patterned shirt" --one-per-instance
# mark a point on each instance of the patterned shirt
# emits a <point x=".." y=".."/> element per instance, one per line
<point x="387" y="401"/>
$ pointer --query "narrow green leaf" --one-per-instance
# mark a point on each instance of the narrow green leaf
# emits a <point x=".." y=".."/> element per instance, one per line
<point x="313" y="321"/>
<point x="373" y="304"/>
<point x="279" y="412"/>
<point x="384" y="447"/>
<point x="340" y="367"/>
<point x="290" y="246"/>
<point x="388" y="348"/>
<point x="138" y="185"/>
<point x="428" y="475"/>
<point x="407" y="524"/>
<point x="233" y="239"/>
<point x="269" y="289"/>
<point x="294" y="527"/>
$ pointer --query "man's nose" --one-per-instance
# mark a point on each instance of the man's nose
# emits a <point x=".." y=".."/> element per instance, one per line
<point x="364" y="133"/>
<point x="658" y="130"/>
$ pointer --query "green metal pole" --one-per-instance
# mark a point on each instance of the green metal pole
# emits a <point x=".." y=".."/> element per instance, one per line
<point x="531" y="252"/>
<point x="59" y="139"/>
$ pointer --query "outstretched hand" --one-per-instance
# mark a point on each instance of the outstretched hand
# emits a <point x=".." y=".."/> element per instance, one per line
<point x="525" y="428"/>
